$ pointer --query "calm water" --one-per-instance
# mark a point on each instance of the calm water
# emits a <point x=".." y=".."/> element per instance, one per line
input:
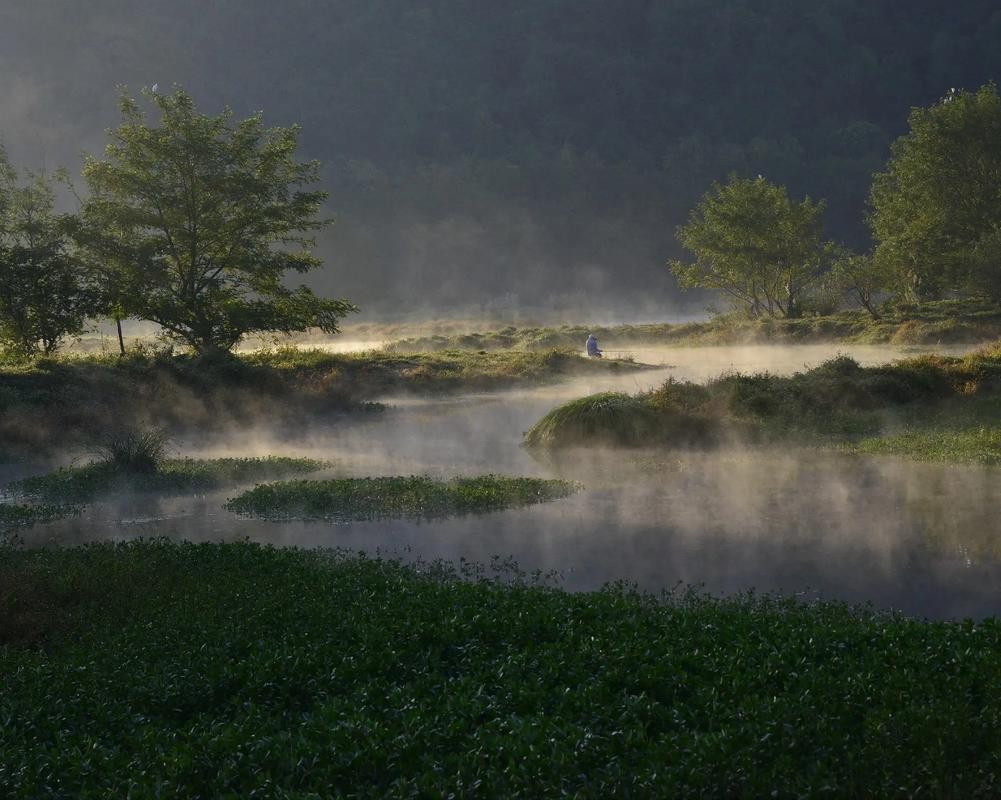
<point x="915" y="537"/>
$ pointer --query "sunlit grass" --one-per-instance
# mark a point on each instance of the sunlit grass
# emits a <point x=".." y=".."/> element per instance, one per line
<point x="185" y="670"/>
<point x="940" y="322"/>
<point x="977" y="446"/>
<point x="411" y="497"/>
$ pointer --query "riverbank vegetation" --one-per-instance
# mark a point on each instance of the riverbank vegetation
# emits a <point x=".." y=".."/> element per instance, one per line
<point x="140" y="668"/>
<point x="934" y="322"/>
<point x="167" y="475"/>
<point x="415" y="497"/>
<point x="14" y="516"/>
<point x="835" y="402"/>
<point x="74" y="402"/>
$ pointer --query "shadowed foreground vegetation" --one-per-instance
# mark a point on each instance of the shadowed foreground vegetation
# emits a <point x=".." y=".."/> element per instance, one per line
<point x="836" y="401"/>
<point x="414" y="497"/>
<point x="65" y="402"/>
<point x="943" y="322"/>
<point x="139" y="669"/>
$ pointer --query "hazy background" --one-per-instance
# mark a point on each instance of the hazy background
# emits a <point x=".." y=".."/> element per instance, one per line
<point x="522" y="154"/>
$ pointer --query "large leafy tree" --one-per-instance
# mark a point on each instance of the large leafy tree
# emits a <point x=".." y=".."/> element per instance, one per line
<point x="936" y="209"/>
<point x="197" y="221"/>
<point x="44" y="294"/>
<point x="754" y="244"/>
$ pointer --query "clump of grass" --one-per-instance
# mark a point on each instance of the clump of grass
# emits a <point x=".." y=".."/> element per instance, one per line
<point x="19" y="515"/>
<point x="135" y="451"/>
<point x="170" y="475"/>
<point x="215" y="670"/>
<point x="416" y="496"/>
<point x="609" y="417"/>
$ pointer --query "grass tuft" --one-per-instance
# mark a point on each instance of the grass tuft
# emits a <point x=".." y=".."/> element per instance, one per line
<point x="135" y="451"/>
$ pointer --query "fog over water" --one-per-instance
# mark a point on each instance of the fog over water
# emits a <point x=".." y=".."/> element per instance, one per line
<point x="903" y="535"/>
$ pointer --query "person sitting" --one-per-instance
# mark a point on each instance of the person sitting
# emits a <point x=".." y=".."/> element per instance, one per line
<point x="592" y="346"/>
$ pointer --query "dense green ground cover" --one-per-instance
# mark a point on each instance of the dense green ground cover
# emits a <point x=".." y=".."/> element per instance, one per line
<point x="170" y="475"/>
<point x="942" y="322"/>
<point x="71" y="401"/>
<point x="415" y="496"/>
<point x="836" y="401"/>
<point x="155" y="669"/>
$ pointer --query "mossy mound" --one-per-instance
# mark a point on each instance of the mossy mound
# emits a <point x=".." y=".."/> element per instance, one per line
<point x="613" y="418"/>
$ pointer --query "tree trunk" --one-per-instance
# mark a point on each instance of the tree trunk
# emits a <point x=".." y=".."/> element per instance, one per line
<point x="121" y="339"/>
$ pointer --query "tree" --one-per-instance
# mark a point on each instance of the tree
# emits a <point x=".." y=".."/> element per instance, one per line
<point x="755" y="245"/>
<point x="44" y="296"/>
<point x="860" y="277"/>
<point x="199" y="219"/>
<point x="936" y="210"/>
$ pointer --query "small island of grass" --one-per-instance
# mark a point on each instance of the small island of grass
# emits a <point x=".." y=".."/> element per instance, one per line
<point x="947" y="408"/>
<point x="414" y="497"/>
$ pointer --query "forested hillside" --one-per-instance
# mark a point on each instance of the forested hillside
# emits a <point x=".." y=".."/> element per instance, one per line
<point x="540" y="147"/>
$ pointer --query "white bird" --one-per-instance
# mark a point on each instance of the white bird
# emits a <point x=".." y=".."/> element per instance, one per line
<point x="154" y="87"/>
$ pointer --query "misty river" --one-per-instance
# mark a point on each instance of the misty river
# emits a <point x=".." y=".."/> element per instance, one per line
<point x="915" y="537"/>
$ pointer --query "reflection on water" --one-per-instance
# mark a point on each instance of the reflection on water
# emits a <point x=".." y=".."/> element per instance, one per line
<point x="917" y="537"/>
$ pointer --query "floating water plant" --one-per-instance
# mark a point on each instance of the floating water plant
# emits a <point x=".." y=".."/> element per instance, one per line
<point x="414" y="497"/>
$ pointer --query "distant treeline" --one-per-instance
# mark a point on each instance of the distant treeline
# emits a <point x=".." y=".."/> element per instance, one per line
<point x="473" y="149"/>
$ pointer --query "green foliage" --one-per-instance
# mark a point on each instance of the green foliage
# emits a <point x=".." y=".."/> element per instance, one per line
<point x="208" y="670"/>
<point x="936" y="210"/>
<point x="202" y="218"/>
<point x="21" y="515"/>
<point x="173" y="475"/>
<point x="606" y="418"/>
<point x="863" y="279"/>
<point x="975" y="446"/>
<point x="754" y="244"/>
<point x="378" y="498"/>
<point x="45" y="296"/>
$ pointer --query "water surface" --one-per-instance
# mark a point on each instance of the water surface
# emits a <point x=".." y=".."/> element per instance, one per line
<point x="915" y="537"/>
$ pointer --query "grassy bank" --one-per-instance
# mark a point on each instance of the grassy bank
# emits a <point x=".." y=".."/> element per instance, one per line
<point x="14" y="516"/>
<point x="836" y="401"/>
<point x="172" y="475"/>
<point x="231" y="670"/>
<point x="77" y="401"/>
<point x="415" y="497"/>
<point x="942" y="322"/>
